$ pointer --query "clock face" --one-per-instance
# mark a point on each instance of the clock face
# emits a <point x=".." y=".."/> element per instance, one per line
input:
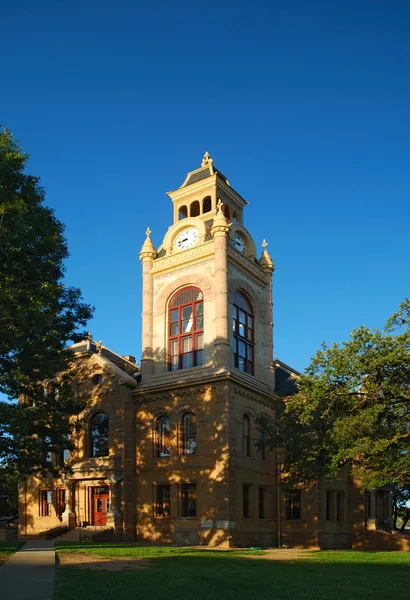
<point x="238" y="243"/>
<point x="186" y="239"/>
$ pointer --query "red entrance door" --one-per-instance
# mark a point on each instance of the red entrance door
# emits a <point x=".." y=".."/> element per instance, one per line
<point x="101" y="505"/>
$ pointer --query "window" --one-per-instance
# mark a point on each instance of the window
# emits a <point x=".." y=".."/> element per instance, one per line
<point x="46" y="501"/>
<point x="97" y="379"/>
<point x="182" y="213"/>
<point x="186" y="329"/>
<point x="194" y="209"/>
<point x="99" y="429"/>
<point x="246" y="436"/>
<point x="227" y="212"/>
<point x="261" y="503"/>
<point x="188" y="499"/>
<point x="162" y="436"/>
<point x="243" y="338"/>
<point x="329" y="505"/>
<point x="293" y="505"/>
<point x="60" y="501"/>
<point x="245" y="501"/>
<point x="162" y="504"/>
<point x="188" y="433"/>
<point x="206" y="204"/>
<point x="340" y="506"/>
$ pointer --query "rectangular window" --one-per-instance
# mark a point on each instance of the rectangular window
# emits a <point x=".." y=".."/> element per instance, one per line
<point x="261" y="503"/>
<point x="329" y="505"/>
<point x="294" y="505"/>
<point x="46" y="501"/>
<point x="60" y="501"/>
<point x="245" y="501"/>
<point x="340" y="506"/>
<point x="162" y="503"/>
<point x="188" y="499"/>
<point x="187" y="354"/>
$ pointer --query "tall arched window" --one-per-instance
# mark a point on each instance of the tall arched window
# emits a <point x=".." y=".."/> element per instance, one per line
<point x="246" y="436"/>
<point x="194" y="209"/>
<point x="162" y="432"/>
<point x="98" y="435"/>
<point x="186" y="329"/>
<point x="188" y="427"/>
<point x="207" y="204"/>
<point x="182" y="213"/>
<point x="243" y="337"/>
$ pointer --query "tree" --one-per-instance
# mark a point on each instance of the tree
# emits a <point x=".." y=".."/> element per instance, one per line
<point x="352" y="408"/>
<point x="39" y="317"/>
<point x="401" y="504"/>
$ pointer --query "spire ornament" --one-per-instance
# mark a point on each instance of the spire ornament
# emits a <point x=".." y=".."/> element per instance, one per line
<point x="148" y="251"/>
<point x="207" y="160"/>
<point x="265" y="260"/>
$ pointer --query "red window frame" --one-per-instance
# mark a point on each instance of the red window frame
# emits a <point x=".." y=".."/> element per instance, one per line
<point x="186" y="348"/>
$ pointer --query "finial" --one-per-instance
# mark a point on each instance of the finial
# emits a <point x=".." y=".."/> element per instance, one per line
<point x="88" y="336"/>
<point x="148" y="233"/>
<point x="264" y="244"/>
<point x="206" y="159"/>
<point x="219" y="205"/>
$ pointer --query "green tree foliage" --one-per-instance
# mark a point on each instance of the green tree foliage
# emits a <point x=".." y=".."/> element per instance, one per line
<point x="352" y="408"/>
<point x="401" y="504"/>
<point x="8" y="491"/>
<point x="39" y="317"/>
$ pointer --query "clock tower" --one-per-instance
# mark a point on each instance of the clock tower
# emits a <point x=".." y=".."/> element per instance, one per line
<point x="206" y="357"/>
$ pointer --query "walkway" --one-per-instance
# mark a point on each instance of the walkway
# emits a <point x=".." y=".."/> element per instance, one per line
<point x="29" y="573"/>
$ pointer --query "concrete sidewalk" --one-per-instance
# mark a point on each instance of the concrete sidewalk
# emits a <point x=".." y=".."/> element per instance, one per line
<point x="29" y="573"/>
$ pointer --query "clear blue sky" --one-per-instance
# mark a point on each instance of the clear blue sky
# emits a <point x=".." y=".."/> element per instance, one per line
<point x="304" y="106"/>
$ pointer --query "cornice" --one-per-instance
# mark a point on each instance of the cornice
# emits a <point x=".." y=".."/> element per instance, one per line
<point x="244" y="264"/>
<point x="204" y="378"/>
<point x="174" y="262"/>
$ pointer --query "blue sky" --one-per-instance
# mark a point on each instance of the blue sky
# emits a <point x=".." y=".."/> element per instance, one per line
<point x="304" y="106"/>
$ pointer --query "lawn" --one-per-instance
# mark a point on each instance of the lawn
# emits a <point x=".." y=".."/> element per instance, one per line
<point x="7" y="549"/>
<point x="190" y="573"/>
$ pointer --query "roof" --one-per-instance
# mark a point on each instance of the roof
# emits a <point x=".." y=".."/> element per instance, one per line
<point x="203" y="173"/>
<point x="285" y="379"/>
<point x="92" y="347"/>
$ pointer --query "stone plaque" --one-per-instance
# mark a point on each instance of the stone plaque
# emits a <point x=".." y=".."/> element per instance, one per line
<point x="226" y="524"/>
<point x="207" y="524"/>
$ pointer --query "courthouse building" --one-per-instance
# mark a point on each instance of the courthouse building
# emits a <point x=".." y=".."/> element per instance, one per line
<point x="166" y="453"/>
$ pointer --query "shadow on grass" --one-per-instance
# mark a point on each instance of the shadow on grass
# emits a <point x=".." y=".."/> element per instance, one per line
<point x="207" y="574"/>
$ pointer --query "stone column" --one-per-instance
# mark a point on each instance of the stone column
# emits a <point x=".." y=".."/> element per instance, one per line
<point x="219" y="231"/>
<point x="147" y="256"/>
<point x="268" y="267"/>
<point x="69" y="514"/>
<point x="114" y="514"/>
<point x="371" y="517"/>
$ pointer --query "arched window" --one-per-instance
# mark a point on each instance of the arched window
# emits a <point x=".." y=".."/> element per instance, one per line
<point x="162" y="432"/>
<point x="243" y="337"/>
<point x="97" y="379"/>
<point x="206" y="204"/>
<point x="182" y="213"/>
<point x="98" y="435"/>
<point x="234" y="217"/>
<point x="246" y="436"/>
<point x="194" y="209"/>
<point x="186" y="329"/>
<point x="188" y="427"/>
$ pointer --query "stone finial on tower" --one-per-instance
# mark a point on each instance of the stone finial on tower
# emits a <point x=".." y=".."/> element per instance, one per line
<point x="207" y="160"/>
<point x="148" y="249"/>
<point x="265" y="260"/>
<point x="220" y="224"/>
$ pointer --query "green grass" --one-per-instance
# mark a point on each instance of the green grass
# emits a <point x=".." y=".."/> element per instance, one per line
<point x="192" y="573"/>
<point x="7" y="549"/>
